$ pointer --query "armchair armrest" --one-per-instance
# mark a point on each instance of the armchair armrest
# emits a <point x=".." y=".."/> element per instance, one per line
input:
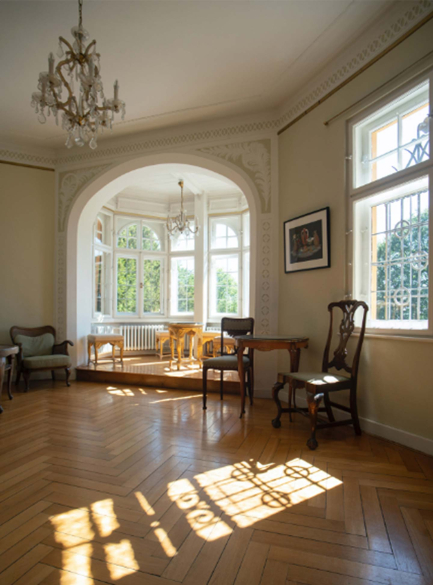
<point x="62" y="348"/>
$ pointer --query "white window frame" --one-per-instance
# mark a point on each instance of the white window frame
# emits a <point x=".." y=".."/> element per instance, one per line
<point x="376" y="189"/>
<point x="104" y="247"/>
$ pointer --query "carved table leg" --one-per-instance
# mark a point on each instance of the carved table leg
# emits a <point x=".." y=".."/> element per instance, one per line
<point x="89" y="353"/>
<point x="295" y="355"/>
<point x="313" y="406"/>
<point x="241" y="377"/>
<point x="180" y="350"/>
<point x="10" y="363"/>
<point x="122" y="347"/>
<point x="276" y="423"/>
<point x="191" y="343"/>
<point x="171" y="340"/>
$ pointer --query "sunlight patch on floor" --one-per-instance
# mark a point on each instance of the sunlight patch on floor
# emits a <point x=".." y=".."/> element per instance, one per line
<point x="121" y="558"/>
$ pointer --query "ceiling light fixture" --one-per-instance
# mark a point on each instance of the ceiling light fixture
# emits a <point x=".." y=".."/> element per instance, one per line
<point x="85" y="110"/>
<point x="180" y="224"/>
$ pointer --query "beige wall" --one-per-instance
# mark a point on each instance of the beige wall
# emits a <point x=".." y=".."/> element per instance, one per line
<point x="396" y="377"/>
<point x="27" y="208"/>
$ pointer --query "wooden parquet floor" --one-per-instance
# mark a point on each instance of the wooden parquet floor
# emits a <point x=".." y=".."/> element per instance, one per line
<point x="132" y="486"/>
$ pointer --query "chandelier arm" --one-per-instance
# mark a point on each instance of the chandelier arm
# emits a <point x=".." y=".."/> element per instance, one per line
<point x="86" y="53"/>
<point x="63" y="40"/>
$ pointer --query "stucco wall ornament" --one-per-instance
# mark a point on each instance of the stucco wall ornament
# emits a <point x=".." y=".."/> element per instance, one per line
<point x="70" y="183"/>
<point x="252" y="157"/>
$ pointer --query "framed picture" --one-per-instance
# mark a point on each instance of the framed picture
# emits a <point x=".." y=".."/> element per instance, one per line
<point x="307" y="242"/>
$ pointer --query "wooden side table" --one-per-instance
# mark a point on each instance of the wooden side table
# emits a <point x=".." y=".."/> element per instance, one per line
<point x="7" y="353"/>
<point x="99" y="340"/>
<point x="177" y="333"/>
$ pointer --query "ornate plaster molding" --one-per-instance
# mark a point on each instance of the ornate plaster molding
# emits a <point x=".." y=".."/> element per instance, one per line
<point x="342" y="70"/>
<point x="70" y="183"/>
<point x="27" y="158"/>
<point x="254" y="158"/>
<point x="178" y="140"/>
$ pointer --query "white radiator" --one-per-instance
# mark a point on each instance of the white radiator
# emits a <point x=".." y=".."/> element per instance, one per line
<point x="137" y="337"/>
<point x="140" y="336"/>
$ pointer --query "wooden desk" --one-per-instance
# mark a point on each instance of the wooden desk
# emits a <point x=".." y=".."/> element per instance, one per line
<point x="268" y="343"/>
<point x="6" y="356"/>
<point x="177" y="333"/>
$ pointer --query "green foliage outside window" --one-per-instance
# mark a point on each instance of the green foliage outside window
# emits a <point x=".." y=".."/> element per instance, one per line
<point x="152" y="286"/>
<point x="397" y="261"/>
<point x="150" y="240"/>
<point x="227" y="293"/>
<point x="185" y="289"/>
<point x="128" y="237"/>
<point x="126" y="285"/>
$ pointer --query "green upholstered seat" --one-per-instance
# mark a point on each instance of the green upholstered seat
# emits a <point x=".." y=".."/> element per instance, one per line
<point x="36" y="346"/>
<point x="47" y="361"/>
<point x="316" y="378"/>
<point x="225" y="362"/>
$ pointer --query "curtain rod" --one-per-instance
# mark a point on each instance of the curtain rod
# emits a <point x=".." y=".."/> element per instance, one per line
<point x="15" y="164"/>
<point x="391" y="89"/>
<point x="359" y="72"/>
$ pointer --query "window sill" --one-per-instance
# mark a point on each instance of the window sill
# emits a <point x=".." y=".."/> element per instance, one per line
<point x="396" y="337"/>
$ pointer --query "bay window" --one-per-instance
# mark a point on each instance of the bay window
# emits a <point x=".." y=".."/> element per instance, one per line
<point x="142" y="273"/>
<point x="390" y="192"/>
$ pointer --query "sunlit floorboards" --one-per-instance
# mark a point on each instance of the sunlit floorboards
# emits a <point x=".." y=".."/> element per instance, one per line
<point x="136" y="486"/>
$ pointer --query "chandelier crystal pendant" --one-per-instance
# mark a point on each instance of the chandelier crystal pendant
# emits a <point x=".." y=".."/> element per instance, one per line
<point x="181" y="224"/>
<point x="85" y="109"/>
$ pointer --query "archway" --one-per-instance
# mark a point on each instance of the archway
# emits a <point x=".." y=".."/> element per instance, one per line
<point x="99" y="190"/>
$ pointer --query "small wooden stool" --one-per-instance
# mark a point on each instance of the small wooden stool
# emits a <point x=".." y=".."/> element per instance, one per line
<point x="209" y="336"/>
<point x="160" y="338"/>
<point x="99" y="340"/>
<point x="229" y="345"/>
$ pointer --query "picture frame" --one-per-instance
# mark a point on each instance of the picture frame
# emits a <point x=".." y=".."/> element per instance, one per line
<point x="307" y="242"/>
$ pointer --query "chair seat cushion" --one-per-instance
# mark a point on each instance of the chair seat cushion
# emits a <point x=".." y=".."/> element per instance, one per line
<point x="317" y="378"/>
<point x="225" y="362"/>
<point x="47" y="361"/>
<point x="36" y="346"/>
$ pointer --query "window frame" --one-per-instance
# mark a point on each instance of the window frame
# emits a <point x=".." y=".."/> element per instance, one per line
<point x="104" y="248"/>
<point x="173" y="285"/>
<point x="377" y="188"/>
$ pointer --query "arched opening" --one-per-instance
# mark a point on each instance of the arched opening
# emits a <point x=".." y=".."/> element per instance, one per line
<point x="134" y="245"/>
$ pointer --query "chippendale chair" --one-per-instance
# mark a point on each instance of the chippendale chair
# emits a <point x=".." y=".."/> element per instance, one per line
<point x="38" y="351"/>
<point x="320" y="385"/>
<point x="233" y="327"/>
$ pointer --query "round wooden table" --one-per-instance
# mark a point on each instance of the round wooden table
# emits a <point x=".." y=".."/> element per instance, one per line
<point x="6" y="356"/>
<point x="177" y="333"/>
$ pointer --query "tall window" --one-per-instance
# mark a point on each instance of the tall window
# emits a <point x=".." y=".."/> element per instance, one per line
<point x="140" y="268"/>
<point x="228" y="265"/>
<point x="391" y="224"/>
<point x="182" y="294"/>
<point x="102" y="269"/>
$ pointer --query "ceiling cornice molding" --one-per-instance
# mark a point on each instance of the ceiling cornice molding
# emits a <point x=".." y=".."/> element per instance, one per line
<point x="365" y="49"/>
<point x="393" y="26"/>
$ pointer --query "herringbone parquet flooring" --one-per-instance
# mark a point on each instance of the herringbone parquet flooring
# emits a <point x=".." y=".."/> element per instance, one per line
<point x="137" y="486"/>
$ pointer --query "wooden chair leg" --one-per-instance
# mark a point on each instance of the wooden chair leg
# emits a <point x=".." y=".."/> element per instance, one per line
<point x="26" y="374"/>
<point x="53" y="377"/>
<point x="276" y="423"/>
<point x="313" y="406"/>
<point x="68" y="373"/>
<point x="222" y="384"/>
<point x="354" y="411"/>
<point x="18" y="377"/>
<point x="204" y="388"/>
<point x="290" y="400"/>
<point x="252" y="384"/>
<point x="89" y="353"/>
<point x="10" y="378"/>
<point x="328" y="407"/>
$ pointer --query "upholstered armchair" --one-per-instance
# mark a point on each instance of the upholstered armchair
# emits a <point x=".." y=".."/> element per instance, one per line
<point x="38" y="351"/>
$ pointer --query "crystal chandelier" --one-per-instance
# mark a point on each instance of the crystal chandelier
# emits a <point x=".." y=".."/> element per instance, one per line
<point x="85" y="108"/>
<point x="180" y="224"/>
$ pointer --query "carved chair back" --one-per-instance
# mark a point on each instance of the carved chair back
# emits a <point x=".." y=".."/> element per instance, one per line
<point x="235" y="327"/>
<point x="32" y="331"/>
<point x="347" y="326"/>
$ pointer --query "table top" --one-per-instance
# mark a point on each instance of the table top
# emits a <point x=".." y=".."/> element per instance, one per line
<point x="180" y="324"/>
<point x="6" y="350"/>
<point x="287" y="338"/>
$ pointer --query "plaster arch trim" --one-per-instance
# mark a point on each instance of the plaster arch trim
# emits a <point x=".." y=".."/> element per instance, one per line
<point x="73" y="242"/>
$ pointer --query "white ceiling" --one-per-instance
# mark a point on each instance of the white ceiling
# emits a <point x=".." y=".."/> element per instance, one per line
<point x="177" y="61"/>
<point x="161" y="185"/>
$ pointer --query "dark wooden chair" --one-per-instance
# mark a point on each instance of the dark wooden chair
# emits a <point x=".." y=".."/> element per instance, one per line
<point x="229" y="362"/>
<point x="320" y="385"/>
<point x="38" y="351"/>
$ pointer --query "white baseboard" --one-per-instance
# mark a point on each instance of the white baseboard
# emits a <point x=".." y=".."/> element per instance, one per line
<point x="384" y="431"/>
